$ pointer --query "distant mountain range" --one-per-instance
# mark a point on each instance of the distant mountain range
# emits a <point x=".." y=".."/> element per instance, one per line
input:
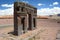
<point x="11" y="17"/>
<point x="6" y="17"/>
<point x="42" y="17"/>
<point x="58" y="15"/>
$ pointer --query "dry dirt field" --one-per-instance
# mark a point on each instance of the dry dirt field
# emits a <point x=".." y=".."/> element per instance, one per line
<point x="6" y="21"/>
<point x="50" y="27"/>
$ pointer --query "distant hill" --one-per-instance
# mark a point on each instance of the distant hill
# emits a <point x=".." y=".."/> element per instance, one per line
<point x="42" y="17"/>
<point x="6" y="17"/>
<point x="58" y="14"/>
<point x="11" y="17"/>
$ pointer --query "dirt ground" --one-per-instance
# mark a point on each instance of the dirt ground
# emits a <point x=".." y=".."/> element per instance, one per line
<point x="50" y="27"/>
<point x="6" y="21"/>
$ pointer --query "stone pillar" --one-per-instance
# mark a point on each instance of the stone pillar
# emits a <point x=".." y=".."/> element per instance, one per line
<point x="26" y="23"/>
<point x="32" y="27"/>
<point x="19" y="27"/>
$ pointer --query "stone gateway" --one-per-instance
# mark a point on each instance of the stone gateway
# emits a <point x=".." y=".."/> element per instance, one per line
<point x="24" y="17"/>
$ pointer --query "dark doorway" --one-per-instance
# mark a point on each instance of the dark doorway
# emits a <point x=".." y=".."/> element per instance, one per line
<point x="17" y="8"/>
<point x="23" y="23"/>
<point x="34" y="22"/>
<point x="22" y="9"/>
<point x="29" y="20"/>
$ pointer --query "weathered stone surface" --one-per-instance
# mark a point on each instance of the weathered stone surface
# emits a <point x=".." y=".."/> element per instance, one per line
<point x="57" y="39"/>
<point x="58" y="36"/>
<point x="24" y="17"/>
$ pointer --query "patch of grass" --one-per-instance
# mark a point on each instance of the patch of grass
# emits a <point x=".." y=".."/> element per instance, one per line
<point x="30" y="38"/>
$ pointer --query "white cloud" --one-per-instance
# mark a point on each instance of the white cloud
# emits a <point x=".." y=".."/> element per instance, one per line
<point x="55" y="3"/>
<point x="8" y="11"/>
<point x="39" y="4"/>
<point x="42" y="11"/>
<point x="48" y="11"/>
<point x="7" y="5"/>
<point x="26" y="1"/>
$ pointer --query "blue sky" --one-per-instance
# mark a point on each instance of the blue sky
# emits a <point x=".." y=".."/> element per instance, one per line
<point x="44" y="7"/>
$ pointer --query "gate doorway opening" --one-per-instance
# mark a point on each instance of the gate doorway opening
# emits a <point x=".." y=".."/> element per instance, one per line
<point x="23" y="24"/>
<point x="29" y="21"/>
<point x="34" y="22"/>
